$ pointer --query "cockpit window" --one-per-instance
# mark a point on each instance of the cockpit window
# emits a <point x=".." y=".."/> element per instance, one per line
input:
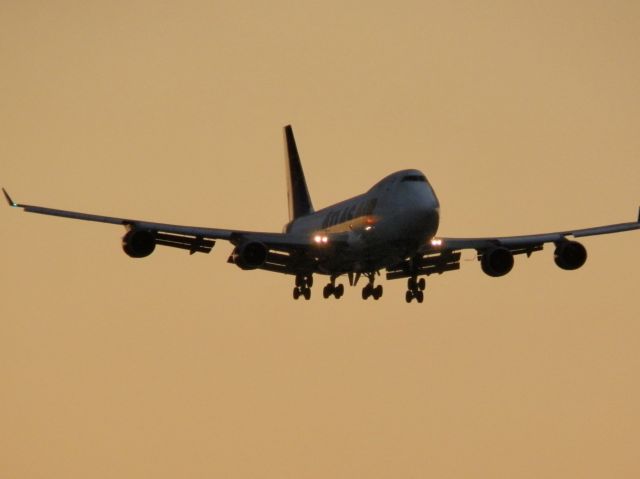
<point x="415" y="178"/>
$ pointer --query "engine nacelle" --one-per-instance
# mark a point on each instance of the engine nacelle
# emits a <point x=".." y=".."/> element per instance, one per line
<point x="570" y="255"/>
<point x="497" y="261"/>
<point x="139" y="243"/>
<point x="250" y="255"/>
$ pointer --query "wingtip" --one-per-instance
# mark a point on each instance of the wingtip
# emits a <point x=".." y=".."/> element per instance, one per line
<point x="8" y="198"/>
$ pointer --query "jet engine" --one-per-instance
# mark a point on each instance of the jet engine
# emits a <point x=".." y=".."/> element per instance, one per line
<point x="570" y="255"/>
<point x="497" y="261"/>
<point x="139" y="243"/>
<point x="249" y="255"/>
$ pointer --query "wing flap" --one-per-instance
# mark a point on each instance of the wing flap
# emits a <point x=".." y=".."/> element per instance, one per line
<point x="429" y="264"/>
<point x="192" y="244"/>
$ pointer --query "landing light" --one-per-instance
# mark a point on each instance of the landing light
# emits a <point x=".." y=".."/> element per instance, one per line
<point x="321" y="239"/>
<point x="436" y="242"/>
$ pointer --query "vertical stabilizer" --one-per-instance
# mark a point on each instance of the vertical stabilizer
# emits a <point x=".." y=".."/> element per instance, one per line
<point x="297" y="191"/>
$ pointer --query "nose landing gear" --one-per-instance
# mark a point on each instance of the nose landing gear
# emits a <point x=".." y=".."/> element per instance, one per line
<point x="415" y="289"/>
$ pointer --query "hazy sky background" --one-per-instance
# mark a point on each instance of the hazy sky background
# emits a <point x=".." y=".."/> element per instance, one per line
<point x="525" y="118"/>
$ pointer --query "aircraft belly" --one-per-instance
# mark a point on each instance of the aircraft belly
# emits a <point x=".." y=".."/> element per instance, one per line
<point x="372" y="256"/>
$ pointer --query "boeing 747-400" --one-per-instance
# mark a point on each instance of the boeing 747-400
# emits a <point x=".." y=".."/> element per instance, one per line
<point x="392" y="227"/>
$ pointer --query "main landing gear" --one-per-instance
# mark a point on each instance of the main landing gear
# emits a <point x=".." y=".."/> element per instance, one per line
<point x="415" y="289"/>
<point x="303" y="286"/>
<point x="370" y="290"/>
<point x="332" y="289"/>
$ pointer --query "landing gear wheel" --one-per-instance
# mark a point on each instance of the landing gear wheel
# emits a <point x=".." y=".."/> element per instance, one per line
<point x="367" y="291"/>
<point x="334" y="290"/>
<point x="371" y="289"/>
<point x="415" y="288"/>
<point x="327" y="291"/>
<point x="303" y="286"/>
<point x="377" y="292"/>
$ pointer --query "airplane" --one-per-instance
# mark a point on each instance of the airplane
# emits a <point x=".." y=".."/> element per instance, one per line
<point x="390" y="227"/>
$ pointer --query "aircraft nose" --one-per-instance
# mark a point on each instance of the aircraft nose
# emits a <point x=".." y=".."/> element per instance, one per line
<point x="427" y="216"/>
<point x="420" y="220"/>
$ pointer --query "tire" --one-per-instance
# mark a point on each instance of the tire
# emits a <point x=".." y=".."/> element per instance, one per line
<point x="366" y="292"/>
<point x="377" y="292"/>
<point x="326" y="292"/>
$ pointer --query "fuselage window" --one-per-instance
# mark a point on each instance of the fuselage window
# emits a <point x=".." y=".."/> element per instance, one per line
<point x="415" y="178"/>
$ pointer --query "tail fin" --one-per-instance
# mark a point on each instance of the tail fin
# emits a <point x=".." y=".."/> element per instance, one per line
<point x="297" y="192"/>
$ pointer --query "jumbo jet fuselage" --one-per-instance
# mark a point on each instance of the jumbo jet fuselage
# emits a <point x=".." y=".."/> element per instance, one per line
<point x="371" y="231"/>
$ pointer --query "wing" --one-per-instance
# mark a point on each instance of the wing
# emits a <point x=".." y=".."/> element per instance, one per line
<point x="528" y="241"/>
<point x="496" y="253"/>
<point x="280" y="252"/>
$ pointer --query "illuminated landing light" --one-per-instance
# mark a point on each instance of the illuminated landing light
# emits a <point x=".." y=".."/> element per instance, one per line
<point x="435" y="242"/>
<point x="321" y="239"/>
<point x="368" y="228"/>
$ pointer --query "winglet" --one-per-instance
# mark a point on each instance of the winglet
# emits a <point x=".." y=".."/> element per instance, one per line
<point x="9" y="200"/>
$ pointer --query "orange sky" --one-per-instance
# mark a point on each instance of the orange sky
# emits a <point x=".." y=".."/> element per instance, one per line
<point x="525" y="118"/>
